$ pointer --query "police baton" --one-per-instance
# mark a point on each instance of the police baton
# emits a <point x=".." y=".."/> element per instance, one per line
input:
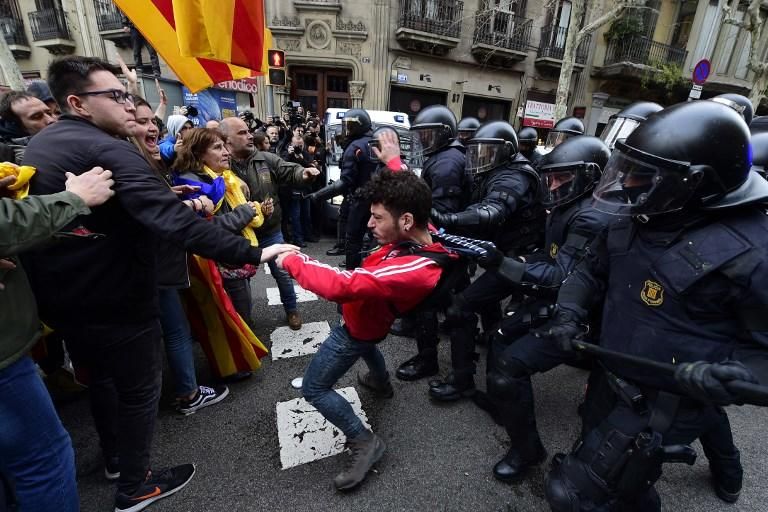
<point x="748" y="392"/>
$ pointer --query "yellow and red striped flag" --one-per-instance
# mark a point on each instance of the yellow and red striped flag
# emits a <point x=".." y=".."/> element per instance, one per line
<point x="155" y="20"/>
<point x="230" y="31"/>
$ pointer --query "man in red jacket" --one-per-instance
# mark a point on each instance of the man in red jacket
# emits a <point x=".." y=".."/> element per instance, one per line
<point x="395" y="278"/>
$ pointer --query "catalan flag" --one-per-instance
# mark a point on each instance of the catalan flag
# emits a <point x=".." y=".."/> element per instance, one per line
<point x="229" y="344"/>
<point x="225" y="30"/>
<point x="155" y="20"/>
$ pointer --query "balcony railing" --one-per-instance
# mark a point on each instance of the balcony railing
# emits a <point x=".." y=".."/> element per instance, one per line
<point x="503" y="30"/>
<point x="108" y="17"/>
<point x="552" y="44"/>
<point x="13" y="31"/>
<point x="642" y="50"/>
<point x="439" y="17"/>
<point x="49" y="24"/>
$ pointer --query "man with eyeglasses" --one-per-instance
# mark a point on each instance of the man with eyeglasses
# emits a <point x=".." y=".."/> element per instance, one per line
<point x="99" y="287"/>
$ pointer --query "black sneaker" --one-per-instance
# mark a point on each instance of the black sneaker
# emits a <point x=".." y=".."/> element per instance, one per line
<point x="205" y="396"/>
<point x="112" y="468"/>
<point x="158" y="485"/>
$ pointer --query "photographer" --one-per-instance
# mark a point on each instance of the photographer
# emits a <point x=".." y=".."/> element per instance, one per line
<point x="299" y="205"/>
<point x="253" y="122"/>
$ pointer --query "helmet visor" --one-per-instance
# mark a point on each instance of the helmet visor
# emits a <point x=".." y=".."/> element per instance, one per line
<point x="643" y="185"/>
<point x="554" y="139"/>
<point x="484" y="156"/>
<point x="428" y="139"/>
<point x="351" y="127"/>
<point x="560" y="183"/>
<point x="618" y="128"/>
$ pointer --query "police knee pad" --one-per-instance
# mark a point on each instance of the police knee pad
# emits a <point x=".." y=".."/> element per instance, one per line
<point x="561" y="494"/>
<point x="502" y="385"/>
<point x="458" y="312"/>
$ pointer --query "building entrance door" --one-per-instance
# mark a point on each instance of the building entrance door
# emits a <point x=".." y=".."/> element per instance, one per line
<point x="318" y="89"/>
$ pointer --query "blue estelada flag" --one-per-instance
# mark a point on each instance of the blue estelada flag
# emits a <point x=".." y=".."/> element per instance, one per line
<point x="214" y="191"/>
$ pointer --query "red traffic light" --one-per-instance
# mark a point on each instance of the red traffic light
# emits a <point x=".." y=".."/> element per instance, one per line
<point x="276" y="58"/>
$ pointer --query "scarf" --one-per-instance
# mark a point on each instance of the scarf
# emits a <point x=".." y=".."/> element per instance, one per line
<point x="235" y="197"/>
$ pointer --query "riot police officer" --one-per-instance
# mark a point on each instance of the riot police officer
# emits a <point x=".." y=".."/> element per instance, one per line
<point x="622" y="124"/>
<point x="563" y="130"/>
<point x="357" y="167"/>
<point x="504" y="208"/>
<point x="528" y="138"/>
<point x="467" y="128"/>
<point x="434" y="132"/>
<point x="568" y="175"/>
<point x="682" y="273"/>
<point x="739" y="103"/>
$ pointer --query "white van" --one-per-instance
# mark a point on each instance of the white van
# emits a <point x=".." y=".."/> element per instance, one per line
<point x="332" y="122"/>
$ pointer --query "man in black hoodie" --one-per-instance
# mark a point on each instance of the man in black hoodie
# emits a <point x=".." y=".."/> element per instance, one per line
<point x="98" y="287"/>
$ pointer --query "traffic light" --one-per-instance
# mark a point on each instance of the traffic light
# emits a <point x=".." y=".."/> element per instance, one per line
<point x="276" y="74"/>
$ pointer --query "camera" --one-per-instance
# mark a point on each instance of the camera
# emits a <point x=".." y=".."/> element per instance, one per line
<point x="291" y="108"/>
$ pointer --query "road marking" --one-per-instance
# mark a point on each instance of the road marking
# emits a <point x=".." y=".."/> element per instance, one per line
<point x="266" y="269"/>
<point x="302" y="295"/>
<point x="305" y="435"/>
<point x="288" y="343"/>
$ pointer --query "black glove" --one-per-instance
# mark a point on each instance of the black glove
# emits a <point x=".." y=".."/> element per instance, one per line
<point x="562" y="328"/>
<point x="705" y="381"/>
<point x="492" y="258"/>
<point x="312" y="197"/>
<point x="442" y="220"/>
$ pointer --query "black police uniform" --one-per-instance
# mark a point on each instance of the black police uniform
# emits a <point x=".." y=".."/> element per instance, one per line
<point x="444" y="171"/>
<point x="505" y="209"/>
<point x="357" y="168"/>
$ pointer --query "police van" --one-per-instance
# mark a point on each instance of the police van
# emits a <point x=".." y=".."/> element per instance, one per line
<point x="332" y="123"/>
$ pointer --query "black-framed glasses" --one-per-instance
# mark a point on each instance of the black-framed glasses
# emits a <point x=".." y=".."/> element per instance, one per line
<point x="117" y="95"/>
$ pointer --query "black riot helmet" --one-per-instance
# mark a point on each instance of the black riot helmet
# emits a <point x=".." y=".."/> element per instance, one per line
<point x="571" y="170"/>
<point x="355" y="123"/>
<point x="374" y="142"/>
<point x="739" y="103"/>
<point x="466" y="129"/>
<point x="527" y="138"/>
<point x="622" y="124"/>
<point x="563" y="130"/>
<point x="433" y="129"/>
<point x="760" y="153"/>
<point x="661" y="168"/>
<point x="494" y="144"/>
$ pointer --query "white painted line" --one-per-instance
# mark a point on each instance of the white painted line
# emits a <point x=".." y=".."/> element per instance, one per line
<point x="305" y="435"/>
<point x="266" y="269"/>
<point x="302" y="295"/>
<point x="287" y="343"/>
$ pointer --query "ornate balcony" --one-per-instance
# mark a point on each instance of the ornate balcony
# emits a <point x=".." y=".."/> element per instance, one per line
<point x="636" y="54"/>
<point x="500" y="38"/>
<point x="430" y="26"/>
<point x="552" y="48"/>
<point x="50" y="30"/>
<point x="110" y="22"/>
<point x="12" y="28"/>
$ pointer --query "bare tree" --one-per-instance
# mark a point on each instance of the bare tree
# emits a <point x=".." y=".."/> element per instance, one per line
<point x="10" y="67"/>
<point x="754" y="23"/>
<point x="600" y="16"/>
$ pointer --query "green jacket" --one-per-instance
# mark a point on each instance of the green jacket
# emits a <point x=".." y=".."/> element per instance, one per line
<point x="23" y="225"/>
<point x="264" y="172"/>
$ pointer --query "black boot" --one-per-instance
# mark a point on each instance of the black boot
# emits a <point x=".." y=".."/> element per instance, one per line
<point x="403" y="327"/>
<point x="454" y="387"/>
<point x="336" y="250"/>
<point x="418" y="367"/>
<point x="518" y="459"/>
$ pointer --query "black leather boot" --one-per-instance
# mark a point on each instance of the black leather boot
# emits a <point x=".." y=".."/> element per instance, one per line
<point x="336" y="250"/>
<point x="513" y="466"/>
<point x="418" y="367"/>
<point x="454" y="387"/>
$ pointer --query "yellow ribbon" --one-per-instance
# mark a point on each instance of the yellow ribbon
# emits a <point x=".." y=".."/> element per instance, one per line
<point x="235" y="197"/>
<point x="22" y="173"/>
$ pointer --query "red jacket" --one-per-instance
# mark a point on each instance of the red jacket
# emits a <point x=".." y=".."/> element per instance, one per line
<point x="388" y="278"/>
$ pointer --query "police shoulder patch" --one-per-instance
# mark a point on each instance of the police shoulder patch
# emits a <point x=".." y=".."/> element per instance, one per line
<point x="652" y="293"/>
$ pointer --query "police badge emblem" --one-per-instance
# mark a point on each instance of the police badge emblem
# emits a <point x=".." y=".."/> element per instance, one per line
<point x="553" y="249"/>
<point x="653" y="293"/>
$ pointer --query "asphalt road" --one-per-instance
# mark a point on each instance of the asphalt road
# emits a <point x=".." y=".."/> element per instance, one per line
<point x="438" y="458"/>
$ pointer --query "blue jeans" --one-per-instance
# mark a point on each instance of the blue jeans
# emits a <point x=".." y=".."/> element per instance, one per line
<point x="178" y="342"/>
<point x="283" y="279"/>
<point x="301" y="221"/>
<point x="35" y="450"/>
<point x="335" y="356"/>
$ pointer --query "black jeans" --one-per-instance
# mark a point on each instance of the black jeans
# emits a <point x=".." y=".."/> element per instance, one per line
<point x="239" y="291"/>
<point x="357" y="225"/>
<point x="124" y="364"/>
<point x="138" y="43"/>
